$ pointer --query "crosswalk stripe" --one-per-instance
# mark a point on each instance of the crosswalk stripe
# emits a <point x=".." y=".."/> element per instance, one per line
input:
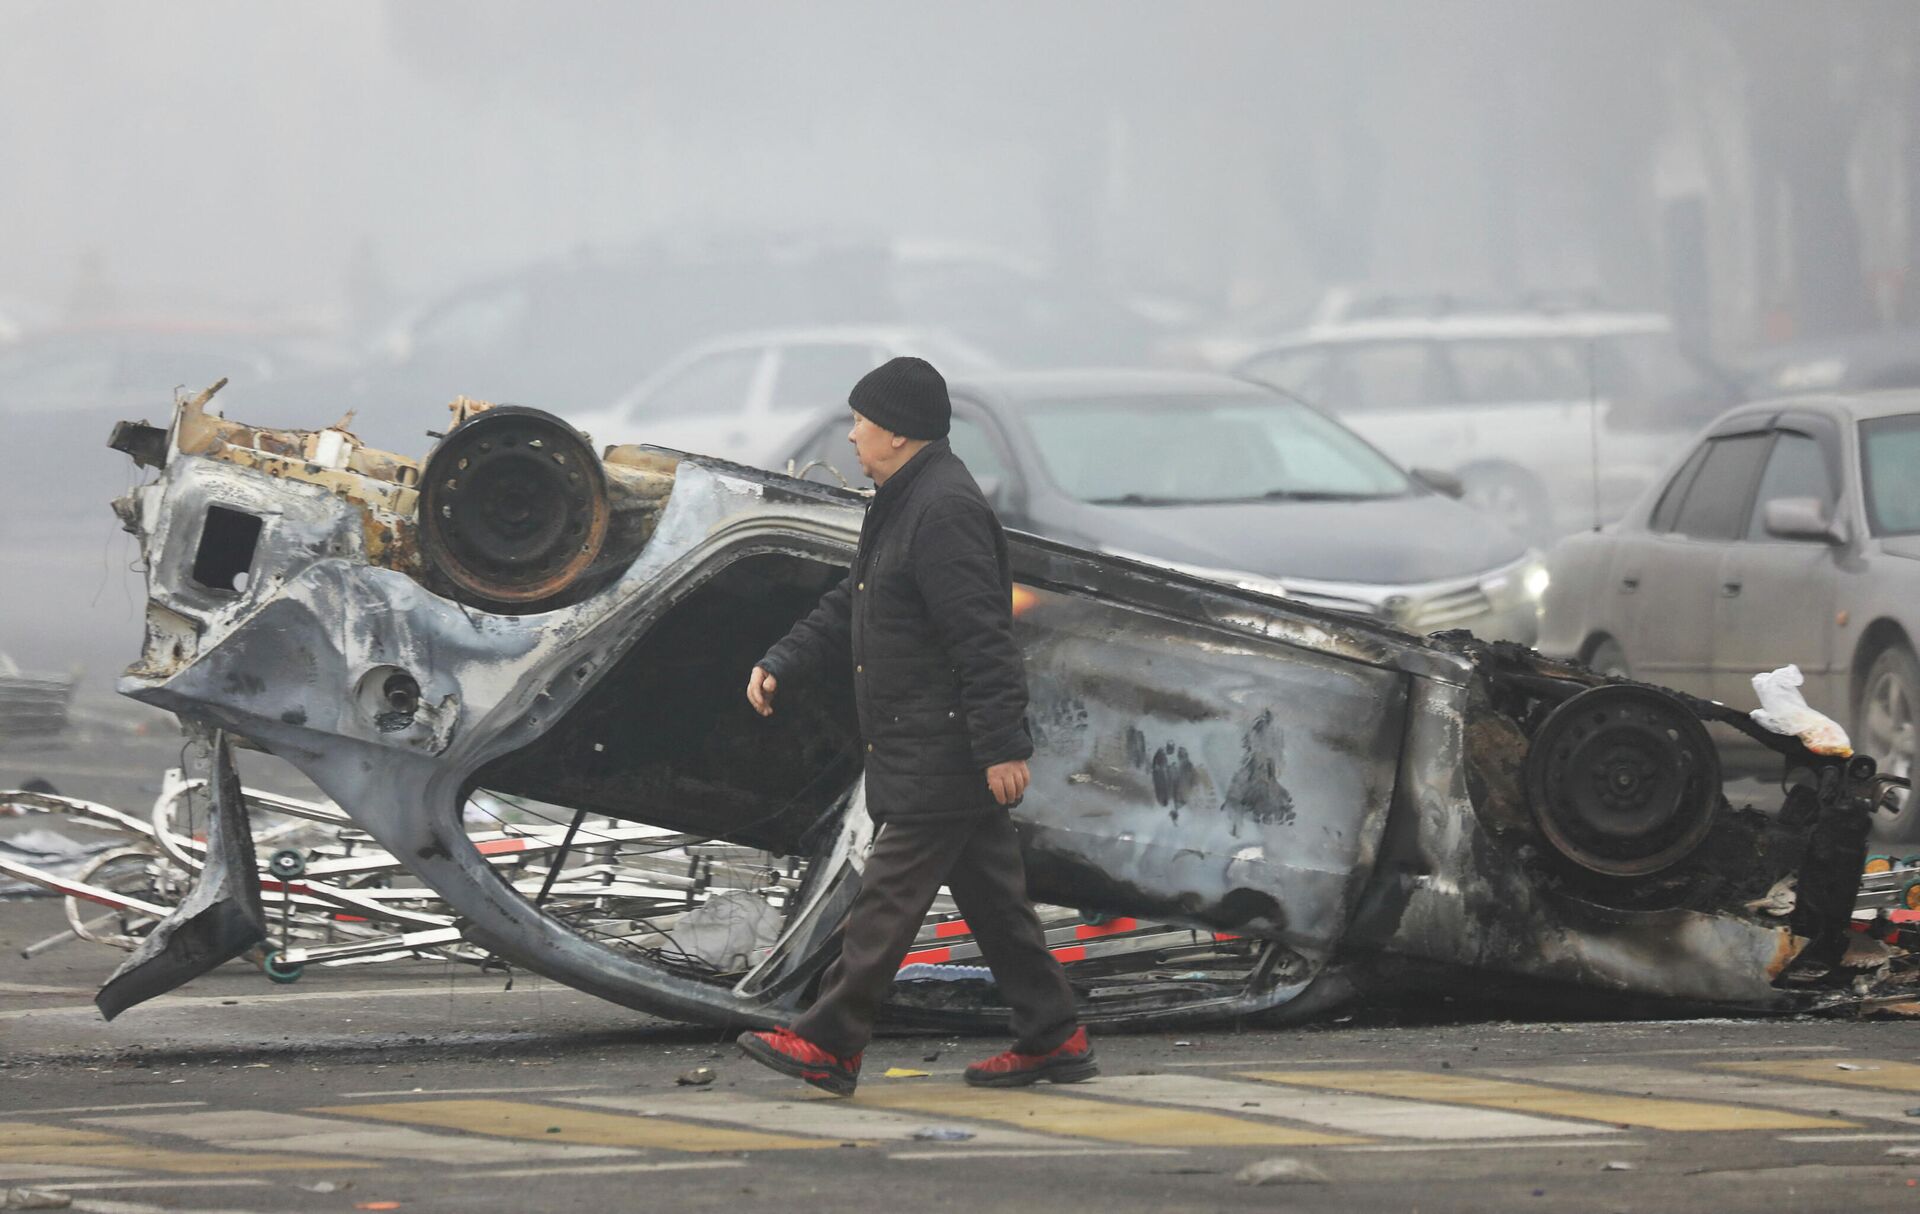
<point x="25" y="1142"/>
<point x="552" y="1123"/>
<point x="257" y="1130"/>
<point x="1887" y="1076"/>
<point x="53" y="1171"/>
<point x="1734" y="1088"/>
<point x="1552" y="1102"/>
<point x="1087" y="1116"/>
<point x="602" y="1169"/>
<point x="1373" y="1115"/>
<point x="828" y="1117"/>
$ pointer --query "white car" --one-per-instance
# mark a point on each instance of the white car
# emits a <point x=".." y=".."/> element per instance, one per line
<point x="1523" y="407"/>
<point x="746" y="397"/>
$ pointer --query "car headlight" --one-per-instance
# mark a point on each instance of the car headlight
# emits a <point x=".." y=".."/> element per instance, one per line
<point x="1523" y="582"/>
<point x="1537" y="581"/>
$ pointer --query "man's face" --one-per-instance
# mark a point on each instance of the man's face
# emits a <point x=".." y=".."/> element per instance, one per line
<point x="872" y="446"/>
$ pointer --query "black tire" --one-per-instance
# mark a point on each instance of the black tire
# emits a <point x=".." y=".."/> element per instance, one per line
<point x="1609" y="657"/>
<point x="1885" y="720"/>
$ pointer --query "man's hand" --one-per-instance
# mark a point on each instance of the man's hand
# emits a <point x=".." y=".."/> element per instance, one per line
<point x="1009" y="781"/>
<point x="760" y="689"/>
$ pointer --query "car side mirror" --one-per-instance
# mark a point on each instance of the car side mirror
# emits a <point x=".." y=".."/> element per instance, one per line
<point x="1440" y="482"/>
<point x="1802" y="518"/>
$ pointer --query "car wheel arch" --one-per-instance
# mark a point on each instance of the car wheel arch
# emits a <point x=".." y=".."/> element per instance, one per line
<point x="1876" y="638"/>
<point x="1591" y="646"/>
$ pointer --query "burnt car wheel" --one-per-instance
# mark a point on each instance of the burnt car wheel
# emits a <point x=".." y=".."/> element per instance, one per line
<point x="513" y="506"/>
<point x="1623" y="780"/>
<point x="1884" y="725"/>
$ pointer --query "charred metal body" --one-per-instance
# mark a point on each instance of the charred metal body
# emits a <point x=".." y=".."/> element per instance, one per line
<point x="1333" y="800"/>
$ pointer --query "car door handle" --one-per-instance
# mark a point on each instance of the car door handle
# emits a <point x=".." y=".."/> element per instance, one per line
<point x="1730" y="590"/>
<point x="1629" y="584"/>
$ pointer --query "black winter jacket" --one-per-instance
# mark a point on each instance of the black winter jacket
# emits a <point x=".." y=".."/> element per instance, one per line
<point x="925" y="619"/>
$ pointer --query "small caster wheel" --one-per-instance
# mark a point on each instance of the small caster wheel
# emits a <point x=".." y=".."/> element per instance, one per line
<point x="1879" y="864"/>
<point x="287" y="864"/>
<point x="1910" y="896"/>
<point x="279" y="971"/>
<point x="1908" y="862"/>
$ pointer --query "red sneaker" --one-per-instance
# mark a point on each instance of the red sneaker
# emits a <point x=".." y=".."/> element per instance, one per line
<point x="791" y="1054"/>
<point x="1069" y="1062"/>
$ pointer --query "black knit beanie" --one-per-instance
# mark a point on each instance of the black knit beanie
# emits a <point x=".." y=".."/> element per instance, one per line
<point x="904" y="395"/>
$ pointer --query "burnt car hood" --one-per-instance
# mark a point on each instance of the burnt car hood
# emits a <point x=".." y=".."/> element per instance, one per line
<point x="1386" y="541"/>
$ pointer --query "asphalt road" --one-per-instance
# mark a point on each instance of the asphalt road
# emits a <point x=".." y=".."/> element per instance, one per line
<point x="436" y="1087"/>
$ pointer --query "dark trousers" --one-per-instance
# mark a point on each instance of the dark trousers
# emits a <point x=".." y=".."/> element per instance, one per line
<point x="978" y="859"/>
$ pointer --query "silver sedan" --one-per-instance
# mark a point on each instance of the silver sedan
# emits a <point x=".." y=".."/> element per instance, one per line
<point x="1789" y="531"/>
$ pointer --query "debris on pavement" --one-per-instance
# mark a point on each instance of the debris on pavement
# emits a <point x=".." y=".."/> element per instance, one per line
<point x="35" y="1199"/>
<point x="1280" y="1171"/>
<point x="942" y="1133"/>
<point x="901" y="1072"/>
<point x="698" y="1077"/>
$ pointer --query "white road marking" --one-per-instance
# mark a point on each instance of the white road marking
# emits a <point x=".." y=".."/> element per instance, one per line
<point x="569" y="1087"/>
<point x="819" y="1118"/>
<point x="1731" y="1087"/>
<point x="599" y="1169"/>
<point x="43" y="1171"/>
<point x="359" y="995"/>
<point x="294" y="1134"/>
<point x="1850" y="1138"/>
<point x="1272" y="1064"/>
<point x="178" y="1182"/>
<point x="28" y="988"/>
<point x="1734" y="1049"/>
<point x="1332" y="1110"/>
<point x="91" y="1205"/>
<point x="1524" y="1144"/>
<point x="1034" y="1154"/>
<point x="118" y="1108"/>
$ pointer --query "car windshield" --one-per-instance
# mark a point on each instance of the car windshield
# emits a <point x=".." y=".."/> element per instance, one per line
<point x="1168" y="450"/>
<point x="1890" y="473"/>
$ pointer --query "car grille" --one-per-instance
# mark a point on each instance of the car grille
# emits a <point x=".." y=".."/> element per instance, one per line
<point x="1449" y="608"/>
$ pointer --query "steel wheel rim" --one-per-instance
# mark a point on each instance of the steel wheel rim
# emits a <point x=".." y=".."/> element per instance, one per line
<point x="1888" y="727"/>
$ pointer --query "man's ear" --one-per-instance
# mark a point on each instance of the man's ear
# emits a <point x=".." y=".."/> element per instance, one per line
<point x="897" y="441"/>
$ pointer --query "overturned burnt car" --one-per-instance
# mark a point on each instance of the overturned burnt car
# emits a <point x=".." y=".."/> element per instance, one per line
<point x="1291" y="806"/>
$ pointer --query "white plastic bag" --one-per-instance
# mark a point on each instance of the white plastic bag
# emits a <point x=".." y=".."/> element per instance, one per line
<point x="1783" y="710"/>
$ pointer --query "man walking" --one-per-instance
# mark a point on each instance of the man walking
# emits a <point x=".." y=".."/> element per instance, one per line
<point x="925" y="621"/>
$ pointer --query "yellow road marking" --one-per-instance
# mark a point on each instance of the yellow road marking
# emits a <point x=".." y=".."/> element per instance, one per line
<point x="25" y="1142"/>
<point x="1684" y="1115"/>
<point x="1887" y="1076"/>
<point x="1090" y="1117"/>
<point x="547" y="1123"/>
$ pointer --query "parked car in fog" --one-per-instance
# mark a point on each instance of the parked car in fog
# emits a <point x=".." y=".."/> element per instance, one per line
<point x="1522" y="406"/>
<point x="1856" y="362"/>
<point x="571" y="333"/>
<point x="1789" y="532"/>
<point x="1227" y="479"/>
<point x="744" y="397"/>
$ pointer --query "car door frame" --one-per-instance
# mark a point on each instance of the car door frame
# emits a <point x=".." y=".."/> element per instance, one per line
<point x="1742" y="563"/>
<point x="1648" y="573"/>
